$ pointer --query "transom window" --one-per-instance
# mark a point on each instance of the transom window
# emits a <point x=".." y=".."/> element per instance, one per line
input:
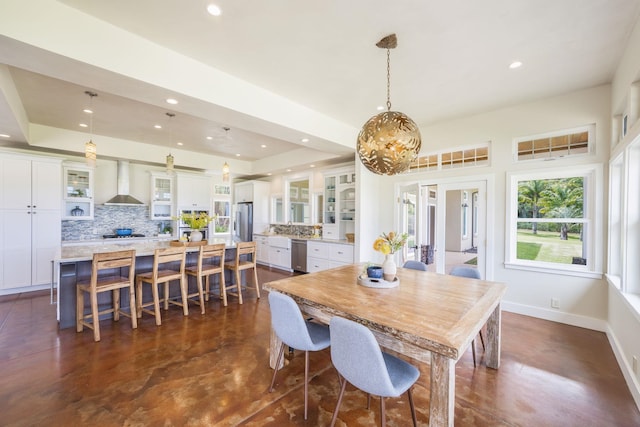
<point x="471" y="156"/>
<point x="563" y="143"/>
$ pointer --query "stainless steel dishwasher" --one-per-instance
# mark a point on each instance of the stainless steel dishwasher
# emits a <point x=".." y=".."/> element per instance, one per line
<point x="299" y="255"/>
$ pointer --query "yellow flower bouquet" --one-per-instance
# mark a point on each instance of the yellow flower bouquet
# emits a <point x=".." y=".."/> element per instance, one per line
<point x="197" y="221"/>
<point x="389" y="243"/>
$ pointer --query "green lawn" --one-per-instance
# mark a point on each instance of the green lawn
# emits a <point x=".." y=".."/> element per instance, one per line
<point x="546" y="246"/>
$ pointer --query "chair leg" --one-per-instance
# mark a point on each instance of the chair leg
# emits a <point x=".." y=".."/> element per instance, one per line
<point x="132" y="307"/>
<point x="207" y="289"/>
<point x="383" y="420"/>
<point x="223" y="289"/>
<point x="482" y="340"/>
<point x="79" y="309"/>
<point x="368" y="401"/>
<point x="275" y="370"/>
<point x="166" y="295"/>
<point x="238" y="286"/>
<point x="255" y="280"/>
<point x="156" y="303"/>
<point x="96" y="318"/>
<point x="139" y="297"/>
<point x="183" y="292"/>
<point x="335" y="413"/>
<point x="115" y="295"/>
<point x="200" y="293"/>
<point x="473" y="351"/>
<point x="413" y="408"/>
<point x="306" y="381"/>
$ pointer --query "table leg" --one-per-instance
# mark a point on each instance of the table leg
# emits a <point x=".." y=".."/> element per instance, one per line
<point x="443" y="391"/>
<point x="493" y="338"/>
<point x="274" y="348"/>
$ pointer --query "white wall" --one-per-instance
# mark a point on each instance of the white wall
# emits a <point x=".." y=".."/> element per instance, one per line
<point x="581" y="299"/>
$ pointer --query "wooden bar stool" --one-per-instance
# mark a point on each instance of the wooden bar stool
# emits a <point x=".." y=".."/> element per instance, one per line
<point x="247" y="249"/>
<point x="210" y="261"/>
<point x="163" y="273"/>
<point x="110" y="281"/>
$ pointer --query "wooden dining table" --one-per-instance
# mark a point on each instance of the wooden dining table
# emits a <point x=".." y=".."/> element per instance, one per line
<point x="429" y="317"/>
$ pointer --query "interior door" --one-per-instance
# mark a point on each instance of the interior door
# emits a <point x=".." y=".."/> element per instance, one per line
<point x="410" y="221"/>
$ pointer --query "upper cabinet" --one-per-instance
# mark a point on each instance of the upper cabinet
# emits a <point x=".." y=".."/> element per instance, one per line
<point x="339" y="212"/>
<point x="161" y="196"/>
<point x="299" y="202"/>
<point x="78" y="194"/>
<point x="193" y="191"/>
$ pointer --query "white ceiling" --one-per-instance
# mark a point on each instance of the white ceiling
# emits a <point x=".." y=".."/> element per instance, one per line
<point x="452" y="59"/>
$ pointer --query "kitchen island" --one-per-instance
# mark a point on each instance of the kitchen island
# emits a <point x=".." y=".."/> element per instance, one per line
<point x="73" y="264"/>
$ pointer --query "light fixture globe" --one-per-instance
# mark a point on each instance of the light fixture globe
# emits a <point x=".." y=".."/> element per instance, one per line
<point x="388" y="143"/>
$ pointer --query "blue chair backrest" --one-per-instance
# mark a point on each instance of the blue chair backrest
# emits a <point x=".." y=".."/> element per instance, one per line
<point x="470" y="272"/>
<point x="287" y="321"/>
<point x="357" y="356"/>
<point x="415" y="265"/>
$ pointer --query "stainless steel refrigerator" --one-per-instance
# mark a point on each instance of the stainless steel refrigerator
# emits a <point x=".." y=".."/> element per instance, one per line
<point x="244" y="222"/>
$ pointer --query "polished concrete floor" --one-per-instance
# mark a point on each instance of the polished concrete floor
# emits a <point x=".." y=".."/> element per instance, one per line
<point x="212" y="369"/>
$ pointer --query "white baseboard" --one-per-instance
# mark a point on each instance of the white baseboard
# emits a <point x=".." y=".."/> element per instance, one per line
<point x="625" y="367"/>
<point x="557" y="316"/>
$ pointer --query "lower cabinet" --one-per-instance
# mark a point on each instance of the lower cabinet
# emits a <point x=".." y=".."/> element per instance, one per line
<point x="325" y="255"/>
<point x="262" y="250"/>
<point x="280" y="257"/>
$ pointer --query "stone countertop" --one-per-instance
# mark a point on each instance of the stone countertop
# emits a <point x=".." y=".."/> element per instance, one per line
<point x="308" y="238"/>
<point x="144" y="246"/>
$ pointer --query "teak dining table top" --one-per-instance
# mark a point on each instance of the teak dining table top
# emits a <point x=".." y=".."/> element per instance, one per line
<point x="429" y="317"/>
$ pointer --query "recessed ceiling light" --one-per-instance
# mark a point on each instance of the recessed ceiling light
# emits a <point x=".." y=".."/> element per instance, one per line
<point x="263" y="146"/>
<point x="214" y="10"/>
<point x="157" y="126"/>
<point x="312" y="166"/>
<point x="237" y="154"/>
<point x="209" y="138"/>
<point x="379" y="108"/>
<point x="83" y="125"/>
<point x="4" y="135"/>
<point x="305" y="139"/>
<point x="88" y="111"/>
<point x="172" y="101"/>
<point x="288" y="170"/>
<point x="515" y="64"/>
<point x="180" y="143"/>
<point x="269" y="174"/>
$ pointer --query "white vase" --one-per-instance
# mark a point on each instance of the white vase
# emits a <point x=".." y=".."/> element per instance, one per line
<point x="389" y="268"/>
<point x="196" y="236"/>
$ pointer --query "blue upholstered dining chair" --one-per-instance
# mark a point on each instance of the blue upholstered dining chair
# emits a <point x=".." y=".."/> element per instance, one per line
<point x="356" y="355"/>
<point x="295" y="332"/>
<point x="471" y="273"/>
<point x="415" y="265"/>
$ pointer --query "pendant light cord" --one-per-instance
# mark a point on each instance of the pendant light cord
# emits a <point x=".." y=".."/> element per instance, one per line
<point x="388" y="79"/>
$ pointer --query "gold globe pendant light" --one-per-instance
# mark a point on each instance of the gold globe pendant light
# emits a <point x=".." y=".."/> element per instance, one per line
<point x="388" y="142"/>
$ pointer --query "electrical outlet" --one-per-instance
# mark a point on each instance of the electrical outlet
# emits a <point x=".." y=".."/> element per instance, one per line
<point x="555" y="303"/>
<point x="635" y="364"/>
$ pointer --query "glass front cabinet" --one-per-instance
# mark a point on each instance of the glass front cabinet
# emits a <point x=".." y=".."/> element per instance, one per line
<point x="161" y="197"/>
<point x="339" y="201"/>
<point x="78" y="193"/>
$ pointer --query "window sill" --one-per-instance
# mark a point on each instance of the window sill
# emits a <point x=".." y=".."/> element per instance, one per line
<point x="552" y="270"/>
<point x="632" y="300"/>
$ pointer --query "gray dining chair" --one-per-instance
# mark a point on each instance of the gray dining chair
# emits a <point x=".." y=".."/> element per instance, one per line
<point x="415" y="265"/>
<point x="471" y="273"/>
<point x="289" y="325"/>
<point x="356" y="355"/>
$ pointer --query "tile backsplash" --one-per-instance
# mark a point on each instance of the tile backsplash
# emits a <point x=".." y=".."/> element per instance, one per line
<point x="108" y="218"/>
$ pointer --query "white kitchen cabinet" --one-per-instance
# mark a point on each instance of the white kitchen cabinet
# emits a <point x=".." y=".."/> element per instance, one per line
<point x="262" y="249"/>
<point x="243" y="192"/>
<point x="161" y="196"/>
<point x="78" y="197"/>
<point x="280" y="257"/>
<point x="193" y="191"/>
<point x="324" y="255"/>
<point x="30" y="220"/>
<point x="339" y="211"/>
<point x="256" y="192"/>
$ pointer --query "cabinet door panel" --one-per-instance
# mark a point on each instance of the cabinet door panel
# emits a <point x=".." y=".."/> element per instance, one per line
<point x="16" y="249"/>
<point x="16" y="183"/>
<point x="46" y="185"/>
<point x="46" y="242"/>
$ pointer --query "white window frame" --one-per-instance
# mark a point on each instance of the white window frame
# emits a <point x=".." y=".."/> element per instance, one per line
<point x="590" y="129"/>
<point x="592" y="220"/>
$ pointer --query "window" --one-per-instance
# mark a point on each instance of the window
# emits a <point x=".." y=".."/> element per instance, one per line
<point x="553" y="220"/>
<point x="469" y="156"/>
<point x="223" y="222"/>
<point x="563" y="143"/>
